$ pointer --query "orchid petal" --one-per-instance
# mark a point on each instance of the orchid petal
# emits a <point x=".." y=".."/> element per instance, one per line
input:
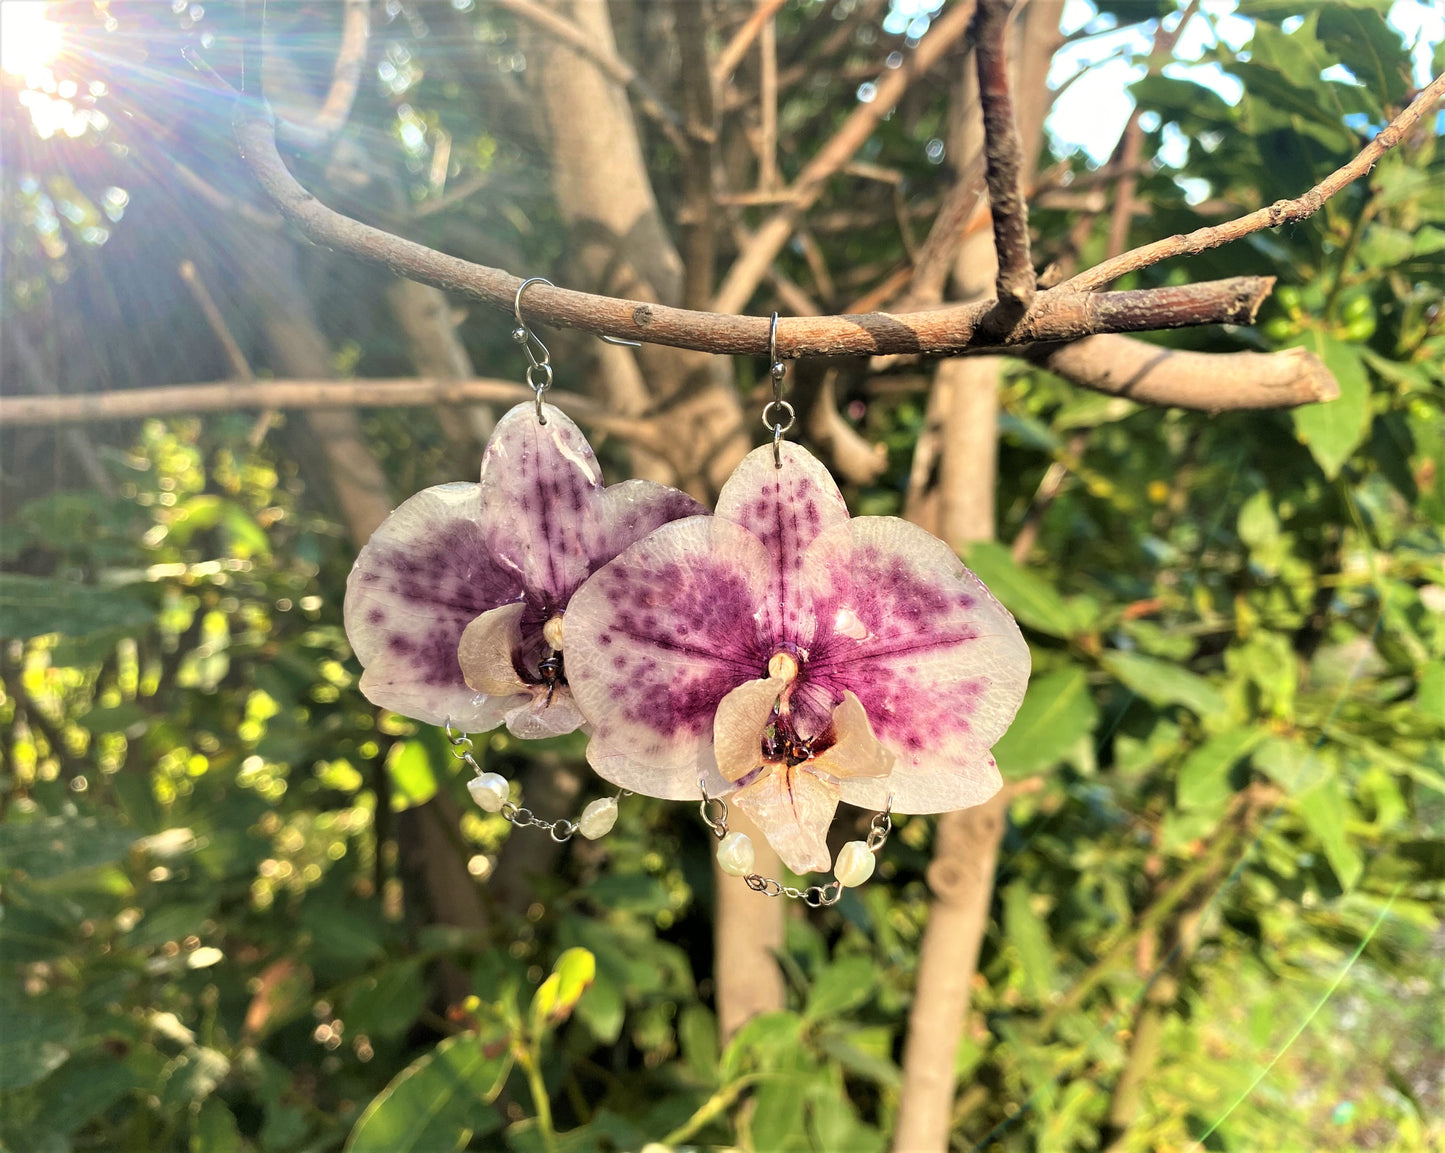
<point x="937" y="663"/>
<point x="742" y="716"/>
<point x="488" y="649"/>
<point x="655" y="640"/>
<point x="423" y="576"/>
<point x="538" y="717"/>
<point x="786" y="508"/>
<point x="856" y="753"/>
<point x="545" y="512"/>
<point x="793" y="808"/>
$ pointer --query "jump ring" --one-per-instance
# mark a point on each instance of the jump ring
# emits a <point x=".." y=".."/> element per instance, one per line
<point x="782" y="406"/>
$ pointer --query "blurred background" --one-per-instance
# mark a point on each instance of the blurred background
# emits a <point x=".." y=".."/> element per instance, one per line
<point x="245" y="910"/>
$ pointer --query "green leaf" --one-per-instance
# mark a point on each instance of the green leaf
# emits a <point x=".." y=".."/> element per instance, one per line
<point x="412" y="780"/>
<point x="34" y="1040"/>
<point x="777" y="1122"/>
<point x="1030" y="936"/>
<point x="1058" y="709"/>
<point x="1368" y="47"/>
<point x="82" y="1089"/>
<point x="1326" y="811"/>
<point x="28" y="935"/>
<point x="697" y="1038"/>
<point x="1028" y="596"/>
<point x="845" y="984"/>
<point x="765" y="1040"/>
<point x="386" y="1003"/>
<point x="215" y="1129"/>
<point x="1203" y="781"/>
<point x="438" y="1102"/>
<point x="1289" y="764"/>
<point x="558" y="995"/>
<point x="1163" y="683"/>
<point x="1333" y="430"/>
<point x="53" y="847"/>
<point x="34" y="606"/>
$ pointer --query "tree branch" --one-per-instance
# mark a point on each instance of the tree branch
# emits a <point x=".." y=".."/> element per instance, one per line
<point x="1280" y="212"/>
<point x="331" y="117"/>
<point x="752" y="264"/>
<point x="1054" y="315"/>
<point x="732" y="55"/>
<point x="1003" y="155"/>
<point x="613" y="66"/>
<point x="1207" y="381"/>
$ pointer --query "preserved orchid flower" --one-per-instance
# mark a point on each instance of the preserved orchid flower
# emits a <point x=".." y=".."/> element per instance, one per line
<point x="455" y="606"/>
<point x="785" y="653"/>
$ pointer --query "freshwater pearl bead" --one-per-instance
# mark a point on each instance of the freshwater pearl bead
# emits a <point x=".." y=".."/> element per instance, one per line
<point x="490" y="791"/>
<point x="598" y="818"/>
<point x="854" y="864"/>
<point x="735" y="854"/>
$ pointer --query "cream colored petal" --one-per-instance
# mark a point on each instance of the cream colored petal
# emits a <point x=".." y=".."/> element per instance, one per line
<point x="793" y="809"/>
<point x="537" y="718"/>
<point x="737" y="729"/>
<point x="486" y="649"/>
<point x="856" y="753"/>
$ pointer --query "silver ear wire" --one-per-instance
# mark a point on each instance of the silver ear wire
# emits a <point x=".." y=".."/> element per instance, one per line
<point x="777" y="408"/>
<point x="539" y="371"/>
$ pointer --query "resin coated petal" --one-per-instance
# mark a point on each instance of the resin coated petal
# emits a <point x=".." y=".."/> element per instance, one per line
<point x="856" y="754"/>
<point x="938" y="664"/>
<point x="423" y="577"/>
<point x="655" y="640"/>
<point x="786" y="508"/>
<point x="793" y="809"/>
<point x="742" y="716"/>
<point x="539" y="483"/>
<point x="486" y="650"/>
<point x="624" y="513"/>
<point x="537" y="718"/>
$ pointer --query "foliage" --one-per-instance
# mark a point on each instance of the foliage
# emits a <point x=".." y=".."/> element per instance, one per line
<point x="210" y="938"/>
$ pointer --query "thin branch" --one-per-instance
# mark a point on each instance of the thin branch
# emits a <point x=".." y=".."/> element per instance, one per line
<point x="751" y="265"/>
<point x="219" y="328"/>
<point x="331" y="117"/>
<point x="1003" y="153"/>
<point x="233" y="395"/>
<point x="935" y="258"/>
<point x="1053" y="316"/>
<point x="768" y="106"/>
<point x="699" y="209"/>
<point x="1280" y="212"/>
<point x="1207" y="381"/>
<point x="559" y="27"/>
<point x="732" y="55"/>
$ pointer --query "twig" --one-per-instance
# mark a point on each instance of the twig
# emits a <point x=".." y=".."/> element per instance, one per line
<point x="559" y="27"/>
<point x="768" y="106"/>
<point x="1053" y="316"/>
<point x="331" y="117"/>
<point x="1280" y="212"/>
<point x="935" y="258"/>
<point x="699" y="212"/>
<point x="237" y="359"/>
<point x="751" y="265"/>
<point x="732" y="55"/>
<point x="1206" y="381"/>
<point x="1003" y="155"/>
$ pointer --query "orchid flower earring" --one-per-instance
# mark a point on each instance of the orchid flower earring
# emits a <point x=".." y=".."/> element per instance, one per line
<point x="789" y="657"/>
<point x="457" y="606"/>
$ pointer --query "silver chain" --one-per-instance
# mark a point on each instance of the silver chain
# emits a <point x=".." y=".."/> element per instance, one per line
<point x="560" y="831"/>
<point x="714" y="813"/>
<point x="778" y="414"/>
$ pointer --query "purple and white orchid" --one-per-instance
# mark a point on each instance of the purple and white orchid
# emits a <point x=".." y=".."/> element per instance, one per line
<point x="455" y="606"/>
<point x="785" y="653"/>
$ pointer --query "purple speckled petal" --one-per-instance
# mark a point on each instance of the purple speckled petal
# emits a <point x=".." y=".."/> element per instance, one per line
<point x="655" y="640"/>
<point x="422" y="578"/>
<point x="938" y="664"/>
<point x="625" y="513"/>
<point x="538" y="484"/>
<point x="487" y="651"/>
<point x="793" y="808"/>
<point x="786" y="508"/>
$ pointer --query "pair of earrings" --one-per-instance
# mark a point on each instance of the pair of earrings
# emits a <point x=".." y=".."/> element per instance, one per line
<point x="777" y="651"/>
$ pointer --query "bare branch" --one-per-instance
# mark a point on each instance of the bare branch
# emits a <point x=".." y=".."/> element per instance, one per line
<point x="1280" y="212"/>
<point x="560" y="28"/>
<point x="1207" y="381"/>
<point x="732" y="55"/>
<point x="1054" y="315"/>
<point x="1003" y="153"/>
<point x="331" y="117"/>
<point x="751" y="265"/>
<point x="219" y="328"/>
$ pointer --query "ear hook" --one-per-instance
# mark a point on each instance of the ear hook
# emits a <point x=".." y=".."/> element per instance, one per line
<point x="539" y="372"/>
<point x="776" y="408"/>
